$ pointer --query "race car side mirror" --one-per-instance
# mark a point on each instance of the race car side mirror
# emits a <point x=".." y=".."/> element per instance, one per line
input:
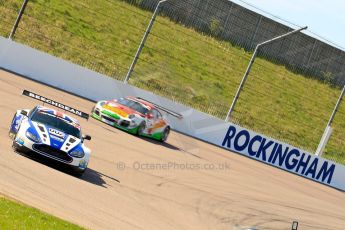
<point x="23" y="112"/>
<point x="87" y="137"/>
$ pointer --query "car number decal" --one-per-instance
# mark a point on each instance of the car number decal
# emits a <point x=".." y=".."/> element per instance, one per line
<point x="56" y="133"/>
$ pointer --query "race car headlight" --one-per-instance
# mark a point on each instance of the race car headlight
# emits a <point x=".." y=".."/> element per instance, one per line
<point x="77" y="154"/>
<point x="32" y="137"/>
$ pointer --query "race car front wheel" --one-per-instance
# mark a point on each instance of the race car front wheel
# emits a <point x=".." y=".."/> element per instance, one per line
<point x="15" y="146"/>
<point x="12" y="133"/>
<point x="165" y="134"/>
<point x="78" y="172"/>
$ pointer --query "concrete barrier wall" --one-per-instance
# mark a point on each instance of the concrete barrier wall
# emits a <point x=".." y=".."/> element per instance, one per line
<point x="75" y="79"/>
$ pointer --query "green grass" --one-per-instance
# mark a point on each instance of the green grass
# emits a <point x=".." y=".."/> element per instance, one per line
<point x="184" y="65"/>
<point x="18" y="216"/>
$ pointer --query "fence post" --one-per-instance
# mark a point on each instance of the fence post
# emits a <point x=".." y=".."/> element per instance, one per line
<point x="245" y="76"/>
<point x="143" y="41"/>
<point x="327" y="132"/>
<point x="255" y="32"/>
<point x="20" y="14"/>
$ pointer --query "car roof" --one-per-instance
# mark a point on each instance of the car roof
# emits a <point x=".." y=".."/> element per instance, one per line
<point x="58" y="114"/>
<point x="147" y="104"/>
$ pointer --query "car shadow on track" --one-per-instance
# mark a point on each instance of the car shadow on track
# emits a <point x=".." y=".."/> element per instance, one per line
<point x="164" y="144"/>
<point x="169" y="146"/>
<point x="89" y="175"/>
<point x="96" y="178"/>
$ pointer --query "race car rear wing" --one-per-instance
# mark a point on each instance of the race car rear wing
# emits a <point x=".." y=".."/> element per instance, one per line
<point x="56" y="104"/>
<point x="175" y="114"/>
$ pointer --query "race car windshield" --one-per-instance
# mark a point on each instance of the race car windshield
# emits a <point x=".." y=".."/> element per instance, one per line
<point x="133" y="105"/>
<point x="56" y="122"/>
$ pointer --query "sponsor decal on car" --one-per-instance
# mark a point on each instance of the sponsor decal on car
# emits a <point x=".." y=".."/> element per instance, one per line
<point x="57" y="138"/>
<point x="56" y="104"/>
<point x="20" y="141"/>
<point x="56" y="133"/>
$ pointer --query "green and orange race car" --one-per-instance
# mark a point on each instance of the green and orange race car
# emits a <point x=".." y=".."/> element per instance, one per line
<point x="135" y="115"/>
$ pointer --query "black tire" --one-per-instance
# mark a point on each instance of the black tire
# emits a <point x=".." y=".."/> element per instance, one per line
<point x="12" y="134"/>
<point x="78" y="173"/>
<point x="15" y="146"/>
<point x="165" y="134"/>
<point x="141" y="128"/>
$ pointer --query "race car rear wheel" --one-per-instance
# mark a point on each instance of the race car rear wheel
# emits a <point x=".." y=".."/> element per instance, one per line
<point x="165" y="134"/>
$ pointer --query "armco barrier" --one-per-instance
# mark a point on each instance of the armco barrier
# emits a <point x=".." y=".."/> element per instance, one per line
<point x="75" y="79"/>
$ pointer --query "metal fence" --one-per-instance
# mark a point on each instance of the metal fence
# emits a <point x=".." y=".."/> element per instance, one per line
<point x="242" y="27"/>
<point x="196" y="54"/>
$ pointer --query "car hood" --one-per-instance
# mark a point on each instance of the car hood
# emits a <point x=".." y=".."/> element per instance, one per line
<point x="55" y="138"/>
<point x="121" y="110"/>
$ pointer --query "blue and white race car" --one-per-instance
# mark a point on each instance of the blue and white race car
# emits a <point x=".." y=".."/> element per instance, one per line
<point x="51" y="133"/>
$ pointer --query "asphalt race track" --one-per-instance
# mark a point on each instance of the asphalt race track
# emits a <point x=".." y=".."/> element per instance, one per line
<point x="128" y="187"/>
